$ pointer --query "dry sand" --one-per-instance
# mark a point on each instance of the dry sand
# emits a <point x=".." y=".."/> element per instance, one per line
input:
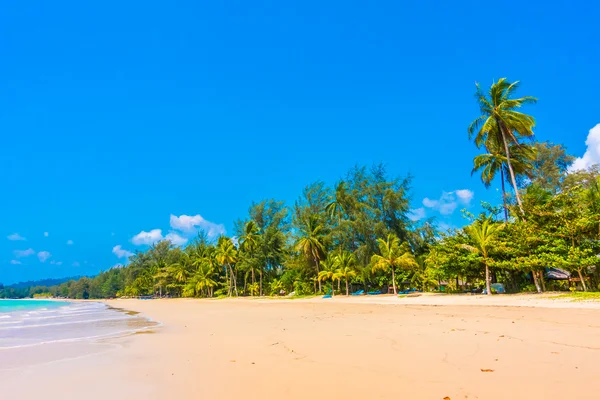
<point x="430" y="347"/>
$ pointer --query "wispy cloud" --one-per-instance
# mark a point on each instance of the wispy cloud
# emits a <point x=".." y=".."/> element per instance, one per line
<point x="592" y="152"/>
<point x="15" y="236"/>
<point x="75" y="264"/>
<point x="448" y="201"/>
<point x="416" y="214"/>
<point x="464" y="196"/>
<point x="15" y="262"/>
<point x="193" y="223"/>
<point x="23" y="253"/>
<point x="44" y="255"/>
<point x="69" y="242"/>
<point x="176" y="239"/>
<point x="120" y="252"/>
<point x="147" y="238"/>
<point x="56" y="262"/>
<point x="46" y="234"/>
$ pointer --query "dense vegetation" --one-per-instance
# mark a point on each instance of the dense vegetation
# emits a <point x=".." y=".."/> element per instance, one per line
<point x="358" y="234"/>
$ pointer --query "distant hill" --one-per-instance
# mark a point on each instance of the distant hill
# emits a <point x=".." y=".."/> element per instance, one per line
<point x="42" y="282"/>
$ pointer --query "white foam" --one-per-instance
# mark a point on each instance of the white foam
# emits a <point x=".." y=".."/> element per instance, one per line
<point x="72" y="322"/>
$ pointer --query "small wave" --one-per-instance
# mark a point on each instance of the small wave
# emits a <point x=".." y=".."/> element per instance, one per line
<point x="85" y="321"/>
<point x="115" y="334"/>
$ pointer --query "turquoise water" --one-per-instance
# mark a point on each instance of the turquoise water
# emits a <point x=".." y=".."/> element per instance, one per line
<point x="29" y="323"/>
<point x="7" y="306"/>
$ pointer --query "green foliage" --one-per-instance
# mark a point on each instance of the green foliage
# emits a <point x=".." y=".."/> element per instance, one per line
<point x="358" y="231"/>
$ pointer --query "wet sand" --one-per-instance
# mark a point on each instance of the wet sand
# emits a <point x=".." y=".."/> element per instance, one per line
<point x="457" y="347"/>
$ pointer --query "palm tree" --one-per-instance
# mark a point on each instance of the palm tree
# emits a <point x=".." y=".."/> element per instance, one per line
<point x="327" y="274"/>
<point x="249" y="242"/>
<point x="346" y="263"/>
<point x="226" y="255"/>
<point x="335" y="209"/>
<point x="483" y="232"/>
<point x="160" y="275"/>
<point x="495" y="160"/>
<point x="202" y="281"/>
<point x="393" y="254"/>
<point x="500" y="122"/>
<point x="311" y="241"/>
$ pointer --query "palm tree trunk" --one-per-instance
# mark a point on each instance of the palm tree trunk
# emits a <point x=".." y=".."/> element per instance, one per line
<point x="347" y="291"/>
<point x="582" y="280"/>
<point x="261" y="279"/>
<point x="542" y="281"/>
<point x="510" y="168"/>
<point x="228" y="281"/>
<point x="233" y="279"/>
<point x="536" y="281"/>
<point x="394" y="280"/>
<point x="488" y="284"/>
<point x="504" y="195"/>
<point x="317" y="264"/>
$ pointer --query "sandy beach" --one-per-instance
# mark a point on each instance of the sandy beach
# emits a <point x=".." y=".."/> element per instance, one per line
<point x="429" y="347"/>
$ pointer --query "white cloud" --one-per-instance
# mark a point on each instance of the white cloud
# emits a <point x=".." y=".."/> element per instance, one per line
<point x="464" y="195"/>
<point x="148" y="238"/>
<point x="592" y="153"/>
<point x="176" y="239"/>
<point x="117" y="266"/>
<point x="56" y="262"/>
<point x="44" y="255"/>
<point x="416" y="214"/>
<point x="23" y="253"/>
<point x="75" y="264"/>
<point x="46" y="234"/>
<point x="15" y="236"/>
<point x="15" y="262"/>
<point x="429" y="203"/>
<point x="69" y="242"/>
<point x="448" y="201"/>
<point x="120" y="252"/>
<point x="185" y="222"/>
<point x="191" y="223"/>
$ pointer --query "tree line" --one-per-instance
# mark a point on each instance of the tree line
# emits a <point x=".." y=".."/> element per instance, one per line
<point x="358" y="234"/>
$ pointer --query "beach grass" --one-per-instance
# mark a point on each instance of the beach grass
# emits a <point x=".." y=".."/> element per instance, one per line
<point x="580" y="296"/>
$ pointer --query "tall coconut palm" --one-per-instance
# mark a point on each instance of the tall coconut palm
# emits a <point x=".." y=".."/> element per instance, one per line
<point x="393" y="255"/>
<point x="335" y="209"/>
<point x="495" y="160"/>
<point x="500" y="122"/>
<point x="346" y="267"/>
<point x="249" y="242"/>
<point x="483" y="233"/>
<point x="311" y="241"/>
<point x="227" y="255"/>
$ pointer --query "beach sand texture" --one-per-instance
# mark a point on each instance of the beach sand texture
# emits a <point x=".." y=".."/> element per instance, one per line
<point x="335" y="349"/>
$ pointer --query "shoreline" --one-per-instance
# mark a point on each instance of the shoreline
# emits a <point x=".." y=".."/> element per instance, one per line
<point x="272" y="348"/>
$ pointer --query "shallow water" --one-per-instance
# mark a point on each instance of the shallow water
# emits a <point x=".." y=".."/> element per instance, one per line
<point x="30" y="323"/>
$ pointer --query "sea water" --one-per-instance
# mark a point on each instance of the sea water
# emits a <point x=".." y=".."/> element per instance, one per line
<point x="32" y="323"/>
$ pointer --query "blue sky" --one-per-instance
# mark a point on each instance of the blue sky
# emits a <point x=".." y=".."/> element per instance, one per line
<point x="117" y="118"/>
